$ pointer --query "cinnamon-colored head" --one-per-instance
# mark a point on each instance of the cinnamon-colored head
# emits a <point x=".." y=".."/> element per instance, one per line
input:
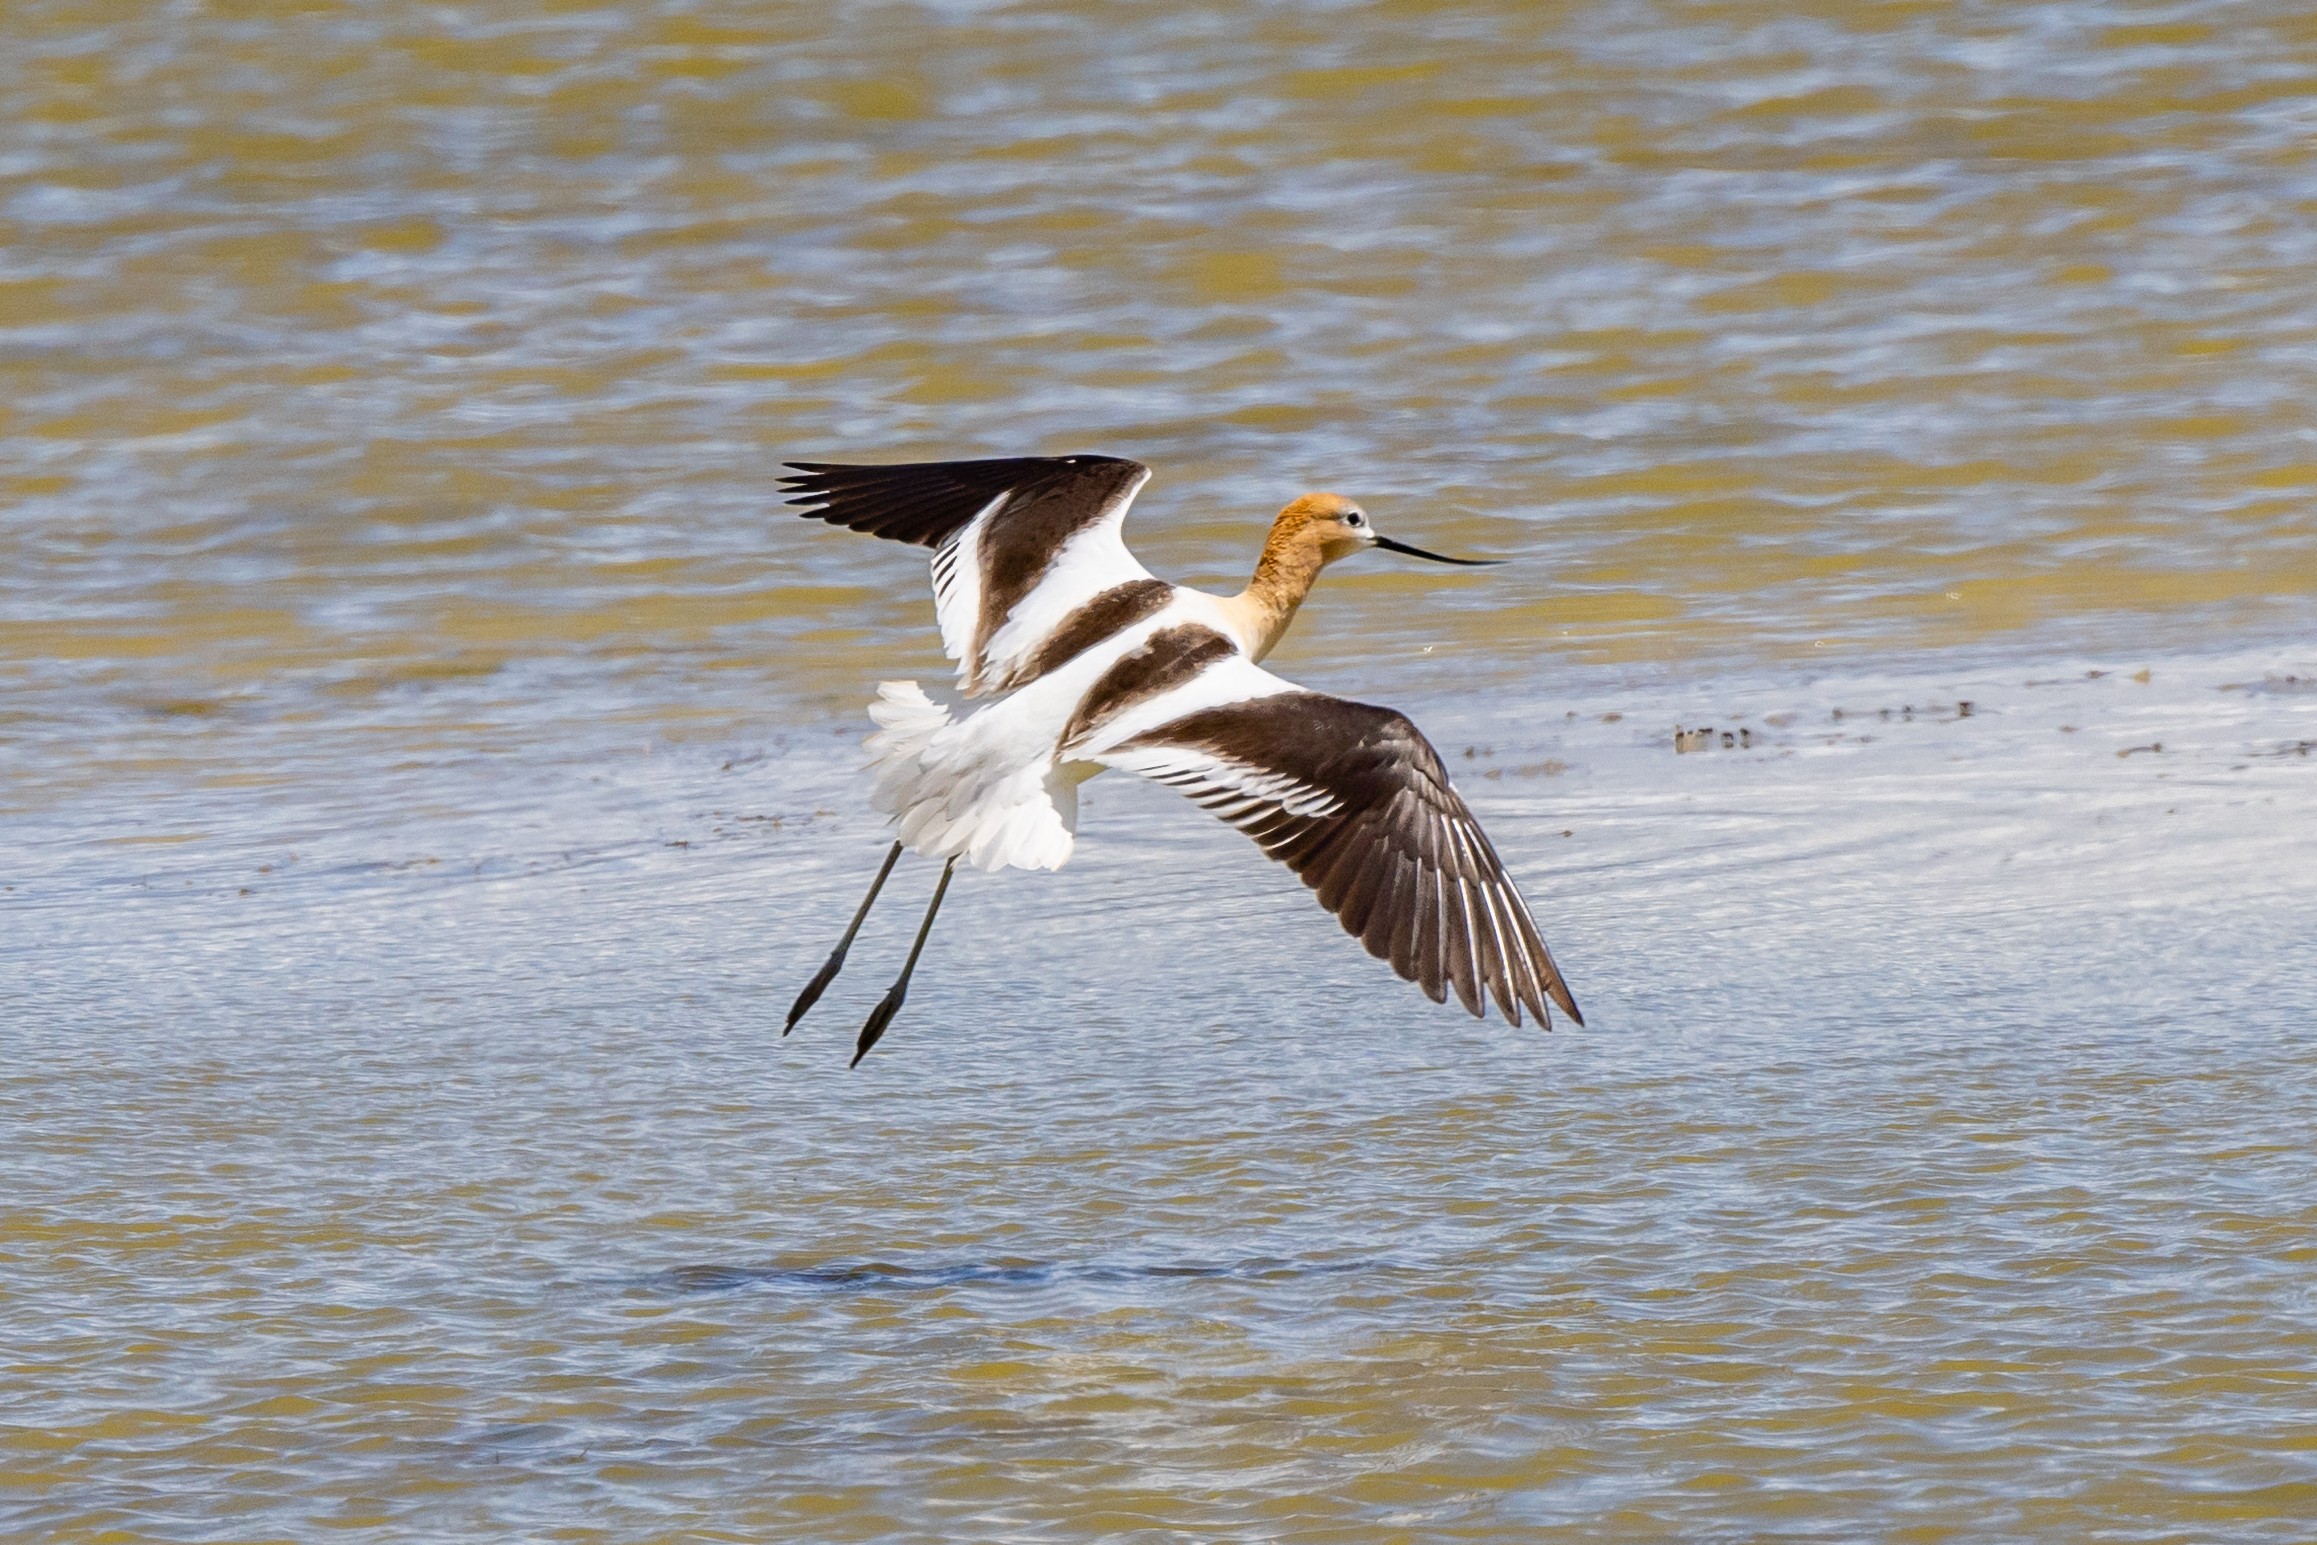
<point x="1329" y="526"/>
<point x="1309" y="534"/>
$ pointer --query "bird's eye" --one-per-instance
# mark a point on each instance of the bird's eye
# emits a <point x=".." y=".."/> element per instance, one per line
<point x="1355" y="518"/>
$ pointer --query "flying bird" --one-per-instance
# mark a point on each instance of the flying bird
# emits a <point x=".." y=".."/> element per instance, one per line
<point x="1092" y="663"/>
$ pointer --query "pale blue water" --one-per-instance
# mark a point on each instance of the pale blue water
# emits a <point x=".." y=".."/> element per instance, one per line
<point x="1935" y="1152"/>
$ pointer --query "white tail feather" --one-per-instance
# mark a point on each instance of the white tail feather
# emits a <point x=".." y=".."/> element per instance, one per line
<point x="961" y="789"/>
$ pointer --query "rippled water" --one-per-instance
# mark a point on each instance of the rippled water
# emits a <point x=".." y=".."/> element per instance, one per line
<point x="426" y="770"/>
<point x="1936" y="1163"/>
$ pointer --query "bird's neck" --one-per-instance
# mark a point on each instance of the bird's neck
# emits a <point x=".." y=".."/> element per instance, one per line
<point x="1284" y="575"/>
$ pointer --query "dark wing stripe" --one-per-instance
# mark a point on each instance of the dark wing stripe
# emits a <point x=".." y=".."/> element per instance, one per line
<point x="1505" y="977"/>
<point x="1490" y="952"/>
<point x="1115" y="609"/>
<point x="1533" y="970"/>
<point x="1525" y="980"/>
<point x="1397" y="943"/>
<point x="1430" y="948"/>
<point x="1548" y="974"/>
<point x="1476" y="939"/>
<point x="1518" y="966"/>
<point x="1357" y="875"/>
<point x="1424" y="962"/>
<point x="1396" y="854"/>
<point x="1168" y="659"/>
<point x="1489" y="927"/>
<point x="1408" y="937"/>
<point x="1395" y="900"/>
<point x="1457" y="923"/>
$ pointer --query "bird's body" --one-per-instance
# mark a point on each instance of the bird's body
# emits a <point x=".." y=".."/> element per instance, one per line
<point x="1092" y="663"/>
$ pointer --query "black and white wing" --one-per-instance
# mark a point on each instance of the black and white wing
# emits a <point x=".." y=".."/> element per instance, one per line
<point x="1029" y="563"/>
<point x="1354" y="799"/>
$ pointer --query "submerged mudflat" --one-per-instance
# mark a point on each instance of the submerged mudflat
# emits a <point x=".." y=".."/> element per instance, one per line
<point x="422" y="1152"/>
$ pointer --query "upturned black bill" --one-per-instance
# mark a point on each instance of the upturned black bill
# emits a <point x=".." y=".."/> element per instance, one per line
<point x="1390" y="546"/>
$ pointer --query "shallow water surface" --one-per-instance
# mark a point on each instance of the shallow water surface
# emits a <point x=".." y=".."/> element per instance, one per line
<point x="427" y="768"/>
<point x="424" y="1159"/>
<point x="352" y="355"/>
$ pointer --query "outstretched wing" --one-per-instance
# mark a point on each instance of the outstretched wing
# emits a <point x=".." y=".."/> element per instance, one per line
<point x="1355" y="800"/>
<point x="1027" y="551"/>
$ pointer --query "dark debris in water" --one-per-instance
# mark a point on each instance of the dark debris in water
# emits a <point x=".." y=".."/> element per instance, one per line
<point x="2281" y="685"/>
<point x="1740" y="737"/>
<point x="1703" y="738"/>
<point x="866" y="1275"/>
<point x="1931" y="713"/>
<point x="1550" y="767"/>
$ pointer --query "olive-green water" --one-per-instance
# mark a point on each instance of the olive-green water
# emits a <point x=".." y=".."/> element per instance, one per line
<point x="427" y="769"/>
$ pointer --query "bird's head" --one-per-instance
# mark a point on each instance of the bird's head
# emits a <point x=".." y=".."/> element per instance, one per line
<point x="1334" y="527"/>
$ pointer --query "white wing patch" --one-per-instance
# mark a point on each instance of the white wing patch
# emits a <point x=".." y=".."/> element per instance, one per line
<point x="1093" y="561"/>
<point x="1233" y="790"/>
<point x="1235" y="679"/>
<point x="957" y="587"/>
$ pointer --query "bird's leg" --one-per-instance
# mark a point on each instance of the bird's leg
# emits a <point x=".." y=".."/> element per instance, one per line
<point x="890" y="1004"/>
<point x="836" y="961"/>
